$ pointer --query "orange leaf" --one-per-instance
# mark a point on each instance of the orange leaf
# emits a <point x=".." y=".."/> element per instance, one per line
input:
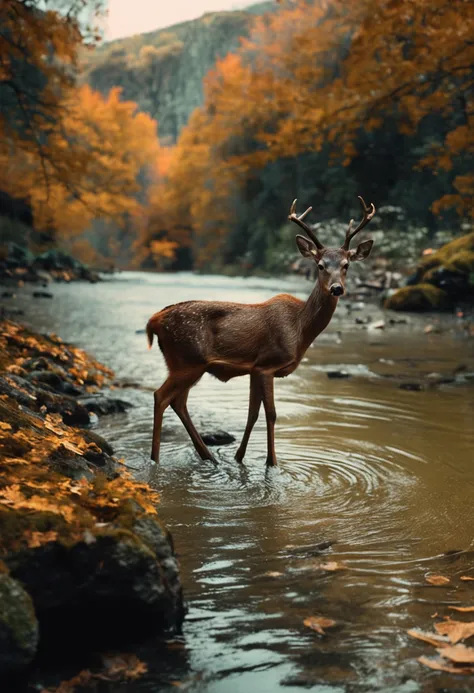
<point x="431" y="638"/>
<point x="459" y="654"/>
<point x="439" y="665"/>
<point x="319" y="623"/>
<point x="466" y="578"/>
<point x="455" y="630"/>
<point x="333" y="565"/>
<point x="463" y="609"/>
<point x="437" y="580"/>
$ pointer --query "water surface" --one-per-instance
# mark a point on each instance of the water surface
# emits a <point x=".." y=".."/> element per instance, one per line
<point x="382" y="476"/>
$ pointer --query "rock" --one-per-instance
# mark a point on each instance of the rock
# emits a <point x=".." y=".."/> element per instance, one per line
<point x="42" y="294"/>
<point x="414" y="387"/>
<point x="218" y="438"/>
<point x="378" y="325"/>
<point x="103" y="587"/>
<point x="38" y="399"/>
<point x="420" y="297"/>
<point x="338" y="374"/>
<point x="101" y="405"/>
<point x="54" y="381"/>
<point x="93" y="437"/>
<point x="19" y="631"/>
<point x="442" y="278"/>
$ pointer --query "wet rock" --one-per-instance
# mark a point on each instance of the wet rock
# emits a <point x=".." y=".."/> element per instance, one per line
<point x="378" y="325"/>
<point x="413" y="387"/>
<point x="338" y="374"/>
<point x="101" y="405"/>
<point x="93" y="437"/>
<point x="218" y="438"/>
<point x="42" y="294"/>
<point x="19" y="632"/>
<point x="102" y="587"/>
<point x="38" y="399"/>
<point x="54" y="381"/>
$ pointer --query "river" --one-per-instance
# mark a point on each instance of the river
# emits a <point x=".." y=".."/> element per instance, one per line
<point x="384" y="477"/>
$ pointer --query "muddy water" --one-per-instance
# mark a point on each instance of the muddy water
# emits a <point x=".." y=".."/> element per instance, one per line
<point x="382" y="476"/>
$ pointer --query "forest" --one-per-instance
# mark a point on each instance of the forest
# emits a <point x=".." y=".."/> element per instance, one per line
<point x="308" y="526"/>
<point x="318" y="100"/>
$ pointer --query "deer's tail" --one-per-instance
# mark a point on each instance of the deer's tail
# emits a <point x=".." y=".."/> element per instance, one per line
<point x="151" y="330"/>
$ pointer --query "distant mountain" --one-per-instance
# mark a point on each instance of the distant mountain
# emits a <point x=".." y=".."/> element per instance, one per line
<point x="163" y="70"/>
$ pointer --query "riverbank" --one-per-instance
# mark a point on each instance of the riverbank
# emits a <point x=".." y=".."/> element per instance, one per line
<point x="84" y="558"/>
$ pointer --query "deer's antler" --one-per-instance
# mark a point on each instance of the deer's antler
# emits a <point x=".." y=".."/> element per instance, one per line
<point x="369" y="212"/>
<point x="299" y="220"/>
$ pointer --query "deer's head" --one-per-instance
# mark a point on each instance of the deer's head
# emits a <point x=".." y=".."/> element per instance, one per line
<point x="333" y="263"/>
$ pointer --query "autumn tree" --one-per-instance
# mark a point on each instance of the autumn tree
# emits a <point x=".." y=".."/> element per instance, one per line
<point x="72" y="153"/>
<point x="324" y="100"/>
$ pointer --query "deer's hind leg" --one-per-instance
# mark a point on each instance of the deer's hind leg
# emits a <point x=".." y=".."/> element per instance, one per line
<point x="175" y="383"/>
<point x="179" y="405"/>
<point x="270" y="413"/>
<point x="255" y="401"/>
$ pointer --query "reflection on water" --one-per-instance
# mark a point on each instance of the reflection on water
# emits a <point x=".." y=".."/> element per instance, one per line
<point x="382" y="477"/>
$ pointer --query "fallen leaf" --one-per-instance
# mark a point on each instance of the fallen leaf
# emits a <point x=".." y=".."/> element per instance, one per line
<point x="71" y="447"/>
<point x="437" y="580"/>
<point x="4" y="426"/>
<point x="459" y="654"/>
<point x="455" y="630"/>
<point x="463" y="609"/>
<point x="441" y="665"/>
<point x="319" y="623"/>
<point x="333" y="565"/>
<point x="466" y="578"/>
<point x="431" y="638"/>
<point x="273" y="573"/>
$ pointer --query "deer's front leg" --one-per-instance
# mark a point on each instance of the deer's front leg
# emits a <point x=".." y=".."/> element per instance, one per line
<point x="255" y="401"/>
<point x="270" y="413"/>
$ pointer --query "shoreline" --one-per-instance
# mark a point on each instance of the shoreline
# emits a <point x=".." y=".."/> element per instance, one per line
<point x="84" y="557"/>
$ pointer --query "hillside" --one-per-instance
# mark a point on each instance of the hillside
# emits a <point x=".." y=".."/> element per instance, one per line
<point x="163" y="70"/>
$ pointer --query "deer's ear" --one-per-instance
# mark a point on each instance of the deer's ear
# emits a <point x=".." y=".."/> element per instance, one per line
<point x="362" y="251"/>
<point x="306" y="247"/>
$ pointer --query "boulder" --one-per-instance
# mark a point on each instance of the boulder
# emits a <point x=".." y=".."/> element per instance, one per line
<point x="441" y="279"/>
<point x="19" y="631"/>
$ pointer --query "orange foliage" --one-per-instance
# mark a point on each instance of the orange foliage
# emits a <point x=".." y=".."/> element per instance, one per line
<point x="72" y="153"/>
<point x="313" y="74"/>
<point x="92" y="161"/>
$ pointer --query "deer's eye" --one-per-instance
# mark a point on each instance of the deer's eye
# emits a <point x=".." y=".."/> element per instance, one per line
<point x="321" y="266"/>
<point x="345" y="267"/>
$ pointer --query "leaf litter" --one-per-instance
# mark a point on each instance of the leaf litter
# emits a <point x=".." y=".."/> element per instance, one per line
<point x="454" y="657"/>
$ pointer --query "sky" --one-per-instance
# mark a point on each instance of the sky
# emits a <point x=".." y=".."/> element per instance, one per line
<point x="127" y="17"/>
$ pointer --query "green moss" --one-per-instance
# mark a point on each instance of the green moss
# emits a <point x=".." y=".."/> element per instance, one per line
<point x="461" y="250"/>
<point x="17" y="616"/>
<point x="419" y="297"/>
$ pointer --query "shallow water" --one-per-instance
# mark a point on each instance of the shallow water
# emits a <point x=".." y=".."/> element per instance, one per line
<point x="383" y="476"/>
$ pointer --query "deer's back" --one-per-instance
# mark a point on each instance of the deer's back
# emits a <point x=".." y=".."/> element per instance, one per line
<point x="200" y="332"/>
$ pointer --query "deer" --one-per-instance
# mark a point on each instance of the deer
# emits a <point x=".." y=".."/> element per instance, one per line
<point x="264" y="340"/>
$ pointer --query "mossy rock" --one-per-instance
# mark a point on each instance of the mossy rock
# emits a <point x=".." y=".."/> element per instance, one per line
<point x="19" y="632"/>
<point x="420" y="297"/>
<point x="461" y="250"/>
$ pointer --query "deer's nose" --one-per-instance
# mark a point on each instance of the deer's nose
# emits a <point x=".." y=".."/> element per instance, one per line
<point x="336" y="289"/>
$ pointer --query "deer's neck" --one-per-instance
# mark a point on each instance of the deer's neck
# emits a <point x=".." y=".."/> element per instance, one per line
<point x="316" y="314"/>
